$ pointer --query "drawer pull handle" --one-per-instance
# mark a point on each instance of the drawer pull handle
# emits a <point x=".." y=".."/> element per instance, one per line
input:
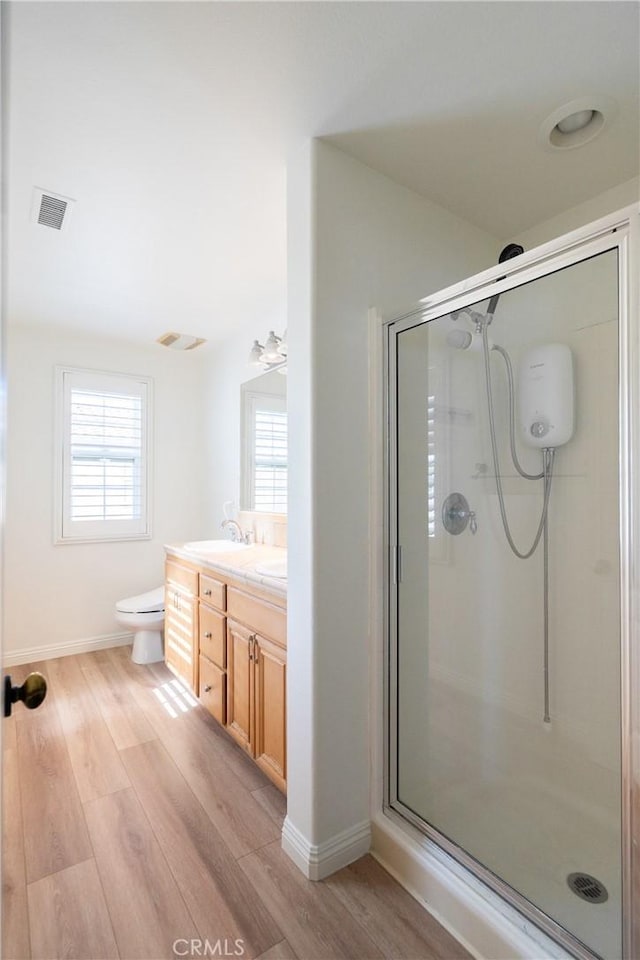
<point x="207" y="593"/>
<point x="207" y="635"/>
<point x="207" y="687"/>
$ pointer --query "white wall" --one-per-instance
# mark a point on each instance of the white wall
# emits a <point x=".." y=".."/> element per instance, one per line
<point x="60" y="594"/>
<point x="611" y="200"/>
<point x="356" y="240"/>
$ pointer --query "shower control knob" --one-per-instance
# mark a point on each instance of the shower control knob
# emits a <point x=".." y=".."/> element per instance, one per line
<point x="456" y="515"/>
<point x="539" y="428"/>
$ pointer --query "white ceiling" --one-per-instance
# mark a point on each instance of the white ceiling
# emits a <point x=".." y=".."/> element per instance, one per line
<point x="170" y="123"/>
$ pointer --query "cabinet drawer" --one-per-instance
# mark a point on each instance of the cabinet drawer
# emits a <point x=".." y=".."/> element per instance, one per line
<point x="213" y="689"/>
<point x="213" y="592"/>
<point x="213" y="636"/>
<point x="261" y="616"/>
<point x="182" y="576"/>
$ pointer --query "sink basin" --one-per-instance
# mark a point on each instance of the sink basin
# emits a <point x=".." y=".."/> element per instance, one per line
<point x="276" y="568"/>
<point x="214" y="546"/>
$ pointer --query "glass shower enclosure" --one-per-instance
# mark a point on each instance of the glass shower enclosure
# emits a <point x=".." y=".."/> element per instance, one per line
<point x="508" y="643"/>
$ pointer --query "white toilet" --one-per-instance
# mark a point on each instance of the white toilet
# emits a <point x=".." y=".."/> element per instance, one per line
<point x="144" y="615"/>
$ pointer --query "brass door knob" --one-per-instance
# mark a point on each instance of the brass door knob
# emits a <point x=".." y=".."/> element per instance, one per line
<point x="32" y="692"/>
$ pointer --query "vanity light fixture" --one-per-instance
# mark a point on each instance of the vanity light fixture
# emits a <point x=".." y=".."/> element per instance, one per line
<point x="271" y="356"/>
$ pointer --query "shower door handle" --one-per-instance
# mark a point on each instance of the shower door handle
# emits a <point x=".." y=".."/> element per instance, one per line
<point x="396" y="564"/>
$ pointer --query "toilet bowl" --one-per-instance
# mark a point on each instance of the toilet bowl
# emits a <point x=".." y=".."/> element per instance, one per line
<point x="144" y="616"/>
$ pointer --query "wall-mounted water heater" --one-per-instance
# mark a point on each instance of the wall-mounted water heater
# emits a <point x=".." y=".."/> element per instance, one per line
<point x="545" y="395"/>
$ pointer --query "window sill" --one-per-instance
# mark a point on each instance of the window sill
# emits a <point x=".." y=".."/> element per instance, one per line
<point x="63" y="541"/>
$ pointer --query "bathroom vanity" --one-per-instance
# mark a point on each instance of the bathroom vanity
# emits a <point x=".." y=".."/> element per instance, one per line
<point x="226" y="638"/>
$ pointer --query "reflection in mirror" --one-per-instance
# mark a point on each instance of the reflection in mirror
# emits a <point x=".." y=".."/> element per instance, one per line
<point x="263" y="425"/>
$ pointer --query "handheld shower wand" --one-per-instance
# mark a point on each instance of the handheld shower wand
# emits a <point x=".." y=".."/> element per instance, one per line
<point x="508" y="253"/>
<point x="547" y="393"/>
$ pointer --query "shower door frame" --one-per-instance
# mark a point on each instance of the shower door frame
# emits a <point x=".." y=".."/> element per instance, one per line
<point x="619" y="230"/>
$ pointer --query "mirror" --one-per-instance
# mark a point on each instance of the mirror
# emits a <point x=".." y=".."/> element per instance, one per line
<point x="263" y="443"/>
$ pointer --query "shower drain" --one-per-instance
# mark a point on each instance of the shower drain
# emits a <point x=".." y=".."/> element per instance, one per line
<point x="587" y="887"/>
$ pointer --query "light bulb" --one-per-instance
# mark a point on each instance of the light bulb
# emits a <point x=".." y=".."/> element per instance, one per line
<point x="256" y="356"/>
<point x="575" y="121"/>
<point x="271" y="353"/>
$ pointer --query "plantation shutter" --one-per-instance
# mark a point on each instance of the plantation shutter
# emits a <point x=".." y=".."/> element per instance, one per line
<point x="431" y="466"/>
<point x="270" y="461"/>
<point x="105" y="456"/>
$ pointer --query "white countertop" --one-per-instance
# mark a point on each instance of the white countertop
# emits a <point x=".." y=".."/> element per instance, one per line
<point x="241" y="564"/>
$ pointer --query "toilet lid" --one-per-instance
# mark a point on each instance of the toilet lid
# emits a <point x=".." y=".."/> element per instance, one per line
<point x="150" y="602"/>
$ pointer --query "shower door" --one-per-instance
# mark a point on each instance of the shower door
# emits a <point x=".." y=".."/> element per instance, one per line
<point x="505" y="670"/>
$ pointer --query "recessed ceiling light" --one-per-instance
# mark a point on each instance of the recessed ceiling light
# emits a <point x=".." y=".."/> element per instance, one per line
<point x="576" y="123"/>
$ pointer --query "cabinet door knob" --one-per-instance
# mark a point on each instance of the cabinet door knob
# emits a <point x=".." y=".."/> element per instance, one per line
<point x="207" y="593"/>
<point x="207" y="687"/>
<point x="207" y="635"/>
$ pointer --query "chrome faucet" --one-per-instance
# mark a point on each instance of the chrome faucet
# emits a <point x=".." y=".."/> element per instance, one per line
<point x="237" y="536"/>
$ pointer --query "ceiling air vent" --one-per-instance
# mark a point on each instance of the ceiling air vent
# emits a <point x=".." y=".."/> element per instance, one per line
<point x="180" y="341"/>
<point x="50" y="209"/>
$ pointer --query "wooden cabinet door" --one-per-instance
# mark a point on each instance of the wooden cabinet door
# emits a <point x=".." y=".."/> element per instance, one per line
<point x="270" y="706"/>
<point x="180" y="635"/>
<point x="240" y="642"/>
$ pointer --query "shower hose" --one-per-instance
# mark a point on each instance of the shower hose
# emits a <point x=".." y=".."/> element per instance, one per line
<point x="548" y="455"/>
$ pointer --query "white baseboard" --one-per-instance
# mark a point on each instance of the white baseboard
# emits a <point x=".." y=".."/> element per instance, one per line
<point x="320" y="860"/>
<point x="52" y="650"/>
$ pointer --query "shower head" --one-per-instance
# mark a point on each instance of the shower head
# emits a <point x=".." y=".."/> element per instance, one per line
<point x="463" y="340"/>
<point x="471" y="316"/>
<point x="459" y="339"/>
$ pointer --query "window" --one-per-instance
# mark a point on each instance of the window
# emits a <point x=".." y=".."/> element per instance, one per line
<point x="103" y="452"/>
<point x="266" y="453"/>
<point x="270" y="461"/>
<point x="431" y="465"/>
<point x="440" y="420"/>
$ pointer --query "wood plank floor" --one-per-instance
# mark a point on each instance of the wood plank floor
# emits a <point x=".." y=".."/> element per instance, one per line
<point x="133" y="825"/>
